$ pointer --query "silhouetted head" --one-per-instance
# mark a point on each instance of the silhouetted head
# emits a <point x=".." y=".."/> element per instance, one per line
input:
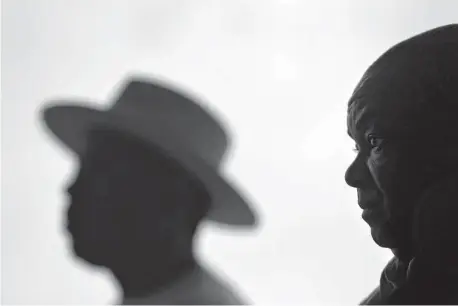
<point x="403" y="116"/>
<point x="131" y="204"/>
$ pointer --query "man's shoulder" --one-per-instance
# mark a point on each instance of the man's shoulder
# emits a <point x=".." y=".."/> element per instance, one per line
<point x="221" y="291"/>
<point x="199" y="288"/>
<point x="374" y="298"/>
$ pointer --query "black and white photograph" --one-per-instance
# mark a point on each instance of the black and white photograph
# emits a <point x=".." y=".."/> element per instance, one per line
<point x="229" y="152"/>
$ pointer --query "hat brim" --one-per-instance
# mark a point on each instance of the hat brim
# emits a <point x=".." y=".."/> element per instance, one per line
<point x="69" y="122"/>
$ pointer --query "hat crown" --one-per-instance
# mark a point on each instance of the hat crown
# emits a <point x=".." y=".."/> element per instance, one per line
<point x="149" y="105"/>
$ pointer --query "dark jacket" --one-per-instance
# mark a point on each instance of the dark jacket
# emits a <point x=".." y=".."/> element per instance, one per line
<point x="414" y="284"/>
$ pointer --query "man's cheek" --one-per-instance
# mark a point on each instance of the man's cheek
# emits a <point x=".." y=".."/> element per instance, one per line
<point x="390" y="182"/>
<point x="382" y="170"/>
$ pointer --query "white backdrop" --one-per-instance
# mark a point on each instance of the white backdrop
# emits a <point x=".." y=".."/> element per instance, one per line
<point x="281" y="73"/>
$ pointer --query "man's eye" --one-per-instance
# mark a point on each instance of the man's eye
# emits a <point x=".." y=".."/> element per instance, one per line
<point x="375" y="142"/>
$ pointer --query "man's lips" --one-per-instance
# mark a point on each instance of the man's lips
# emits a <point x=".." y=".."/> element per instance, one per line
<point x="372" y="212"/>
<point x="369" y="214"/>
<point x="368" y="199"/>
<point x="368" y="204"/>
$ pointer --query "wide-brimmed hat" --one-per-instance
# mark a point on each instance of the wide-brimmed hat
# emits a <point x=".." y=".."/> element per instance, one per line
<point x="168" y="119"/>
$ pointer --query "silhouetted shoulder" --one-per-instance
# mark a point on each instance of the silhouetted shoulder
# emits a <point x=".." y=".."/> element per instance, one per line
<point x="201" y="287"/>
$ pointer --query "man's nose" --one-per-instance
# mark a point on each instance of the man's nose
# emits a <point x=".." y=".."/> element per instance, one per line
<point x="356" y="173"/>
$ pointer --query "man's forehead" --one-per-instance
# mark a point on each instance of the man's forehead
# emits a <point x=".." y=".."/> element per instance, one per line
<point x="386" y="100"/>
<point x="362" y="114"/>
<point x="375" y="113"/>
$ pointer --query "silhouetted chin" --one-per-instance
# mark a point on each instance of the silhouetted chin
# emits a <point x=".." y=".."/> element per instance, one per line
<point x="89" y="257"/>
<point x="87" y="251"/>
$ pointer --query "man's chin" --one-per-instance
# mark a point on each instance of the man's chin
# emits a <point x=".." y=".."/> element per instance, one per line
<point x="383" y="238"/>
<point x="88" y="255"/>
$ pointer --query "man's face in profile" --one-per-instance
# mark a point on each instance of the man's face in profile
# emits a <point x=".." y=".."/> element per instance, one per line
<point x="123" y="199"/>
<point x="394" y="158"/>
<point x="402" y="117"/>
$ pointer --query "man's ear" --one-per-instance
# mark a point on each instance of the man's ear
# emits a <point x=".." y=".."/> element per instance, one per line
<point x="435" y="226"/>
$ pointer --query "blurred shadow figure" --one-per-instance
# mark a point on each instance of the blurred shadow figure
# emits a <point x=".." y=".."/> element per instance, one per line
<point x="149" y="174"/>
<point x="403" y="116"/>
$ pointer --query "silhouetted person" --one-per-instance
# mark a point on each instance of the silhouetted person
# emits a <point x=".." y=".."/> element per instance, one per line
<point x="148" y="176"/>
<point x="403" y="116"/>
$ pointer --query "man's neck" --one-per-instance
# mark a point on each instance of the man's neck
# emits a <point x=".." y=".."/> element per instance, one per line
<point x="404" y="255"/>
<point x="148" y="279"/>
